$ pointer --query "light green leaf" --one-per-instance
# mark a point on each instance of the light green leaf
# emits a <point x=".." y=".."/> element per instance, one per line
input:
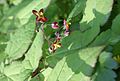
<point x="19" y="71"/>
<point x="8" y="21"/>
<point x="20" y="15"/>
<point x="20" y="41"/>
<point x="98" y="10"/>
<point x="76" y="63"/>
<point x="15" y="2"/>
<point x="3" y="56"/>
<point x="25" y="13"/>
<point x="4" y="78"/>
<point x="43" y="75"/>
<point x="15" y="72"/>
<point x="35" y="52"/>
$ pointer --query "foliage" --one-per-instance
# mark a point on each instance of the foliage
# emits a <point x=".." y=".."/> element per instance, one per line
<point x="89" y="53"/>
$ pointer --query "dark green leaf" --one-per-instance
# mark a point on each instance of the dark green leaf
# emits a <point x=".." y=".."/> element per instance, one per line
<point x="104" y="69"/>
<point x="115" y="30"/>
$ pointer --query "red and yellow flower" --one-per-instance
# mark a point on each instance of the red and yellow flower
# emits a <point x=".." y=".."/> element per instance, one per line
<point x="66" y="26"/>
<point x="39" y="16"/>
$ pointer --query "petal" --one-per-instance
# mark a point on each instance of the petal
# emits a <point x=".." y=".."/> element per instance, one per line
<point x="55" y="25"/>
<point x="58" y="36"/>
<point x="64" y="22"/>
<point x="41" y="10"/>
<point x="67" y="27"/>
<point x="41" y="13"/>
<point x="35" y="12"/>
<point x="43" y="19"/>
<point x="37" y="18"/>
<point x="66" y="33"/>
<point x="51" y="50"/>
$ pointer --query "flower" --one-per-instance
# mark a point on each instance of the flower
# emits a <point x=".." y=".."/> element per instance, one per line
<point x="55" y="46"/>
<point x="39" y="16"/>
<point x="57" y="34"/>
<point x="55" y="25"/>
<point x="66" y="26"/>
<point x="66" y="33"/>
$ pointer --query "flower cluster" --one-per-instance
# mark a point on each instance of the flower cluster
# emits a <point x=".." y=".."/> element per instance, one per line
<point x="40" y="18"/>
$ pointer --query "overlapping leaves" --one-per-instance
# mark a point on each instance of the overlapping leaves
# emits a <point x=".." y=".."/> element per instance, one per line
<point x="76" y="60"/>
<point x="24" y="49"/>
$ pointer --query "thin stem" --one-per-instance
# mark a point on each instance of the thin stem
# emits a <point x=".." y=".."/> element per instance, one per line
<point x="42" y="27"/>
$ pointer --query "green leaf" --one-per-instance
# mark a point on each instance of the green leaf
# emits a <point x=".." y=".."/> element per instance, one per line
<point x="20" y="41"/>
<point x="102" y="75"/>
<point x="20" y="15"/>
<point x="116" y="48"/>
<point x="98" y="11"/>
<point x="16" y="72"/>
<point x="26" y="12"/>
<point x="116" y="25"/>
<point x="83" y="39"/>
<point x="4" y="78"/>
<point x="34" y="54"/>
<point x="43" y="75"/>
<point x="102" y="39"/>
<point x="13" y="70"/>
<point x="64" y="7"/>
<point x="76" y="63"/>
<point x="3" y="42"/>
<point x="104" y="69"/>
<point x="69" y="43"/>
<point x="8" y="21"/>
<point x="78" y="8"/>
<point x="118" y="5"/>
<point x="15" y="2"/>
<point x="20" y="71"/>
<point x="107" y="61"/>
<point x="115" y="30"/>
<point x="3" y="56"/>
